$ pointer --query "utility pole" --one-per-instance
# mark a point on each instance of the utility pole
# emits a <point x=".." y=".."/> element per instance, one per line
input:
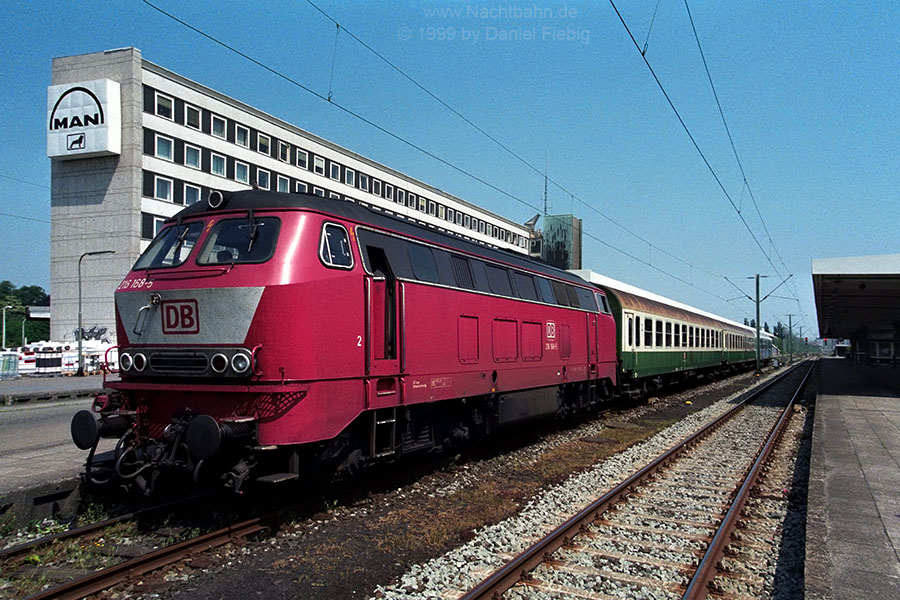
<point x="790" y="339"/>
<point x="758" y="362"/>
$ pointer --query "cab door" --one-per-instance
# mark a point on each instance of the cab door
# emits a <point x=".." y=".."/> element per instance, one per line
<point x="384" y="331"/>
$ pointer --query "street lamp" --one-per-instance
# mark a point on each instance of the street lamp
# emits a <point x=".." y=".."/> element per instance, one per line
<point x="5" y="308"/>
<point x="80" y="372"/>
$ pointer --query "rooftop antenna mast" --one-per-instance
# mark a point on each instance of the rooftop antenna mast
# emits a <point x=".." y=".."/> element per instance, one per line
<point x="545" y="186"/>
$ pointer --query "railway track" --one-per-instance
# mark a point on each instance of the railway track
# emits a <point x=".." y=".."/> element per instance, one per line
<point x="662" y="532"/>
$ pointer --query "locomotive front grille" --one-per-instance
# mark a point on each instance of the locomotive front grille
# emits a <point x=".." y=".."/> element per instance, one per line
<point x="179" y="363"/>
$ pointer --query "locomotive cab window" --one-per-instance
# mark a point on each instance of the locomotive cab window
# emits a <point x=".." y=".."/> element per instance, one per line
<point x="237" y="241"/>
<point x="170" y="248"/>
<point x="334" y="248"/>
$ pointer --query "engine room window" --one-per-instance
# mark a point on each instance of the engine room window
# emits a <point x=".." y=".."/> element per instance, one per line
<point x="236" y="241"/>
<point x="170" y="248"/>
<point x="334" y="249"/>
<point x="525" y="286"/>
<point x="498" y="279"/>
<point x="422" y="260"/>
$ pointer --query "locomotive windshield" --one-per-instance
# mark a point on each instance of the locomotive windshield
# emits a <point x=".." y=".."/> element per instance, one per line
<point x="171" y="247"/>
<point x="235" y="241"/>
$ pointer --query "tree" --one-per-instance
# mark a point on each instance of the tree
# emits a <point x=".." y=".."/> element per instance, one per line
<point x="752" y="322"/>
<point x="746" y="321"/>
<point x="20" y="299"/>
<point x="766" y="327"/>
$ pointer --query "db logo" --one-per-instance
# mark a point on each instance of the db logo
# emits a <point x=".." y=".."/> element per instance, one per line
<point x="180" y="316"/>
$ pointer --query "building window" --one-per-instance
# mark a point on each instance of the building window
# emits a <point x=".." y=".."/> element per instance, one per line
<point x="165" y="147"/>
<point x="263" y="144"/>
<point x="364" y="182"/>
<point x="376" y="187"/>
<point x="334" y="196"/>
<point x="158" y="224"/>
<point x="319" y="165"/>
<point x="301" y="188"/>
<point x="411" y="200"/>
<point x="319" y="192"/>
<point x="442" y="212"/>
<point x="163" y="189"/>
<point x="301" y="159"/>
<point x="192" y="116"/>
<point x="432" y="207"/>
<point x="335" y="172"/>
<point x="284" y="152"/>
<point x="467" y="222"/>
<point x="450" y="215"/>
<point x="284" y="184"/>
<point x="164" y="106"/>
<point x="459" y="218"/>
<point x="218" y="126"/>
<point x="191" y="194"/>
<point x="401" y="197"/>
<point x="388" y="191"/>
<point x="262" y="179"/>
<point x="350" y="177"/>
<point x="218" y="165"/>
<point x="192" y="156"/>
<point x="241" y="172"/>
<point x="241" y="136"/>
<point x="423" y="204"/>
<point x="480" y="226"/>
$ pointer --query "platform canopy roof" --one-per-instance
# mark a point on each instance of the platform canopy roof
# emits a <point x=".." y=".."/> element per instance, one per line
<point x="857" y="296"/>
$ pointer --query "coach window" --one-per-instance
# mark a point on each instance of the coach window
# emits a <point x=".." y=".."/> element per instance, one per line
<point x="401" y="197"/>
<point x="192" y="116"/>
<point x="264" y="144"/>
<point x="637" y="331"/>
<point x="668" y="334"/>
<point x="218" y="126"/>
<point x="165" y="147"/>
<point x="163" y="189"/>
<point x="217" y="165"/>
<point x="241" y="136"/>
<point x="648" y="333"/>
<point x="164" y="106"/>
<point x="364" y="182"/>
<point x="659" y="334"/>
<point x="262" y="179"/>
<point x="241" y="172"/>
<point x="525" y="286"/>
<point x="422" y="261"/>
<point x="498" y="279"/>
<point x="334" y="248"/>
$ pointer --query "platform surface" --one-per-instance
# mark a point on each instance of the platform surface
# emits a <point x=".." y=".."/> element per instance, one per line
<point x="853" y="522"/>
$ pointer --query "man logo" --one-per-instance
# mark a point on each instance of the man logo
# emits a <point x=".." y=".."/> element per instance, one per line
<point x="83" y="116"/>
<point x="75" y="141"/>
<point x="180" y="317"/>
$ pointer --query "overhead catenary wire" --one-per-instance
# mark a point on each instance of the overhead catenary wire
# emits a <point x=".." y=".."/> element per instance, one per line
<point x="417" y="147"/>
<point x="692" y="139"/>
<point x="505" y="147"/>
<point x="737" y="158"/>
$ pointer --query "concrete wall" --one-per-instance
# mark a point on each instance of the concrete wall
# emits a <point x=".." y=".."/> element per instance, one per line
<point x="96" y="203"/>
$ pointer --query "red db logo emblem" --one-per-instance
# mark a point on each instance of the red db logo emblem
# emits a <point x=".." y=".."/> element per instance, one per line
<point x="180" y="316"/>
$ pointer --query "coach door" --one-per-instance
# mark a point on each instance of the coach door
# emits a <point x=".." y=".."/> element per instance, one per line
<point x="384" y="302"/>
<point x="629" y="335"/>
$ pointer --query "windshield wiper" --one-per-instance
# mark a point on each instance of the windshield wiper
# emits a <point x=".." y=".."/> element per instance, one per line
<point x="253" y="233"/>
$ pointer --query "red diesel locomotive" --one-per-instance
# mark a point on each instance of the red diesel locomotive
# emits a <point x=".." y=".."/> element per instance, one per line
<point x="260" y="330"/>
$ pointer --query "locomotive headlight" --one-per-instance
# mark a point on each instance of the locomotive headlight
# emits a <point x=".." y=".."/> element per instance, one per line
<point x="218" y="363"/>
<point x="140" y="362"/>
<point x="125" y="361"/>
<point x="240" y="362"/>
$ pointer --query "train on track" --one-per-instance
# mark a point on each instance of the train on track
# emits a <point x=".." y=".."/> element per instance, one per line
<point x="262" y="332"/>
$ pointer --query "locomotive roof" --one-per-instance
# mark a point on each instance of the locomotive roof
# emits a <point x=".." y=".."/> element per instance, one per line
<point x="635" y="297"/>
<point x="260" y="200"/>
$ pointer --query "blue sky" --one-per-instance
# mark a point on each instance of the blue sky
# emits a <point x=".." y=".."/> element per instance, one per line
<point x="810" y="92"/>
